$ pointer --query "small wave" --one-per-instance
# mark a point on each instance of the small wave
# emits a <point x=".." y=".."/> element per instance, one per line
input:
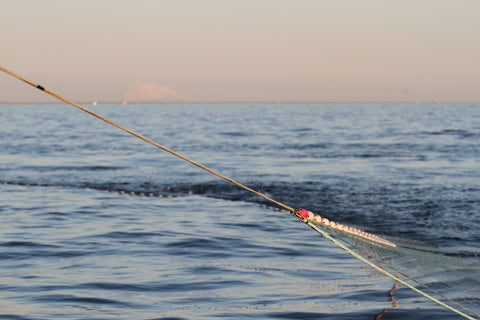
<point x="163" y="286"/>
<point x="70" y="168"/>
<point x="15" y="317"/>
<point x="25" y="255"/>
<point x="27" y="244"/>
<point x="66" y="298"/>
<point x="452" y="132"/>
<point x="236" y="133"/>
<point x="128" y="235"/>
<point x="463" y="254"/>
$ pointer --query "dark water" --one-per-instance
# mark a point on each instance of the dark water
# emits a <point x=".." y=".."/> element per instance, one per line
<point x="74" y="244"/>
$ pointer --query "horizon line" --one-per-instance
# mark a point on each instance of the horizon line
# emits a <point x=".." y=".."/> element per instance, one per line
<point x="94" y="102"/>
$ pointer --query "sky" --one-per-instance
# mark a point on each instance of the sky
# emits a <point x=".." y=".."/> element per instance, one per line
<point x="245" y="50"/>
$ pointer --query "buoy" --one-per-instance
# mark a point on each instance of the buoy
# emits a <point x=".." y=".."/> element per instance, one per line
<point x="304" y="213"/>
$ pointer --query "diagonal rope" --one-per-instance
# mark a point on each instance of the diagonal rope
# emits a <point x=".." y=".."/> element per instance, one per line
<point x="145" y="139"/>
<point x="301" y="214"/>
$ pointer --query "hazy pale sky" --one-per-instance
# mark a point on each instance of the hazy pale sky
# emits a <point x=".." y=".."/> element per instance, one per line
<point x="245" y="50"/>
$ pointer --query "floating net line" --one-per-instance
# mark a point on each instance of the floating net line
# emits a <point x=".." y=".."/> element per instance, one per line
<point x="323" y="226"/>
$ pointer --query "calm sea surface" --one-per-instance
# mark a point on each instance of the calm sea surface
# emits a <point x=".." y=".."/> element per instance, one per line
<point x="96" y="224"/>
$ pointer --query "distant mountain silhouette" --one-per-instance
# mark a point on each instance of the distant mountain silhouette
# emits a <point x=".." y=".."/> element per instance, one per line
<point x="149" y="92"/>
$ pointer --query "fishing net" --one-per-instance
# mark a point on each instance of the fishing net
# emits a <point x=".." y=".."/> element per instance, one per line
<point x="449" y="279"/>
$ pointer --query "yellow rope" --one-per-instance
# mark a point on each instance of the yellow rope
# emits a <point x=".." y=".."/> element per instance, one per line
<point x="145" y="139"/>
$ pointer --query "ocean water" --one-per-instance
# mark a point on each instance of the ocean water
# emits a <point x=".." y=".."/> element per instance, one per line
<point x="97" y="224"/>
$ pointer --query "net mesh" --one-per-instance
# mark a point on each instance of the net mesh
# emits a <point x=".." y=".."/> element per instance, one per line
<point x="451" y="278"/>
